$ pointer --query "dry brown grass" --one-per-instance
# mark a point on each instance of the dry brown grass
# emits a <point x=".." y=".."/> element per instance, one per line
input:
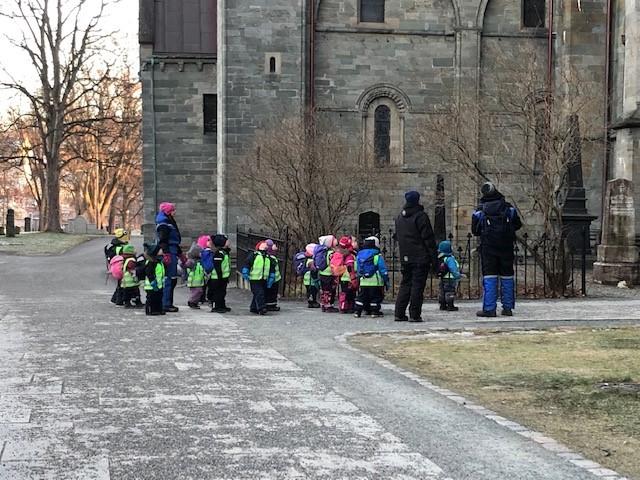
<point x="581" y="387"/>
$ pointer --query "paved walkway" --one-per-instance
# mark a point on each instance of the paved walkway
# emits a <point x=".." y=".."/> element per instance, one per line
<point x="91" y="391"/>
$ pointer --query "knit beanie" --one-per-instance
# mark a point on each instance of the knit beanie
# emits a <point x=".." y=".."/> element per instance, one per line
<point x="412" y="198"/>
<point x="372" y="242"/>
<point x="487" y="188"/>
<point x="129" y="250"/>
<point x="220" y="240"/>
<point x="167" y="208"/>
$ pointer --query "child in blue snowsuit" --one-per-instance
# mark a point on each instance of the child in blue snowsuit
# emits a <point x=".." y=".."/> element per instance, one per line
<point x="373" y="277"/>
<point x="449" y="273"/>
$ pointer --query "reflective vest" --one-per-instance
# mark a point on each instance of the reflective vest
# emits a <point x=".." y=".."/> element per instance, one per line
<point x="261" y="267"/>
<point x="159" y="277"/>
<point x="346" y="276"/>
<point x="276" y="266"/>
<point x="374" y="281"/>
<point x="307" y="280"/>
<point x="225" y="267"/>
<point x="119" y="249"/>
<point x="327" y="271"/>
<point x="449" y="275"/>
<point x="195" y="276"/>
<point x="129" y="279"/>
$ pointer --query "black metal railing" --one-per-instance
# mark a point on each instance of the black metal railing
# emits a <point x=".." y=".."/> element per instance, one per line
<point x="543" y="269"/>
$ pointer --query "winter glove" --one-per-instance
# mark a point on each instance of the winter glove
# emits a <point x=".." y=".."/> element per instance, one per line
<point x="166" y="259"/>
<point x="245" y="273"/>
<point x="271" y="280"/>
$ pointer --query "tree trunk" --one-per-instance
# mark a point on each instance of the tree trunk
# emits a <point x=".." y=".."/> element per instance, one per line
<point x="52" y="220"/>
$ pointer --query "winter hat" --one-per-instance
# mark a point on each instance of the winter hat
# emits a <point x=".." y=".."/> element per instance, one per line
<point x="220" y="240"/>
<point x="121" y="234"/>
<point x="151" y="249"/>
<point x="309" y="249"/>
<point x="167" y="208"/>
<point x="129" y="250"/>
<point x="345" y="242"/>
<point x="328" y="241"/>
<point x="412" y="198"/>
<point x="445" y="247"/>
<point x="195" y="251"/>
<point x="487" y="188"/>
<point x="203" y="241"/>
<point x="372" y="242"/>
<point x="262" y="246"/>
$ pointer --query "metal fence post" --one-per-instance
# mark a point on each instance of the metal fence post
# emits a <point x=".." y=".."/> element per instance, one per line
<point x="585" y="245"/>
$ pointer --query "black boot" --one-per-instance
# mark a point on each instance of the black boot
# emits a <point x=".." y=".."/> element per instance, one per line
<point x="486" y="313"/>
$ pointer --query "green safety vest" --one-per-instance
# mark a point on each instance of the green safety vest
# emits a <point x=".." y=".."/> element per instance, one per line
<point x="226" y="267"/>
<point x="261" y="267"/>
<point x="129" y="279"/>
<point x="307" y="280"/>
<point x="276" y="266"/>
<point x="327" y="271"/>
<point x="159" y="277"/>
<point x="374" y="281"/>
<point x="119" y="249"/>
<point x="195" y="276"/>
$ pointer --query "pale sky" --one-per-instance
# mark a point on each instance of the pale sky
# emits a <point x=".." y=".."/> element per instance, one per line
<point x="122" y="19"/>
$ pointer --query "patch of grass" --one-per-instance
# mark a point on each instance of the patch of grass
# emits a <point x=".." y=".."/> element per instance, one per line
<point x="41" y="243"/>
<point x="577" y="386"/>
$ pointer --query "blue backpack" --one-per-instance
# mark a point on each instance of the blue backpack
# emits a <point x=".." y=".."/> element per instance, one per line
<point x="320" y="260"/>
<point x="367" y="267"/>
<point x="300" y="263"/>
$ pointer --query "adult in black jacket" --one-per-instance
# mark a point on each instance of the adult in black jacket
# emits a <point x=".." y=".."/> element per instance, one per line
<point x="496" y="221"/>
<point x="417" y="254"/>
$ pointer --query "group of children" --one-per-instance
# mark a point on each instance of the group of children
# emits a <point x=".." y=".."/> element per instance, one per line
<point x="206" y="270"/>
<point x="332" y="269"/>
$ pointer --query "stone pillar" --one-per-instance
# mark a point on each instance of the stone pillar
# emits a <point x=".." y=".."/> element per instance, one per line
<point x="11" y="223"/>
<point x="617" y="254"/>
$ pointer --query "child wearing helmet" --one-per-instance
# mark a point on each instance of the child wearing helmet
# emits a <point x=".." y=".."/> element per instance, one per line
<point x="121" y="238"/>
<point x="259" y="271"/>
<point x="129" y="283"/>
<point x="328" y="281"/>
<point x="449" y="274"/>
<point x="219" y="274"/>
<point x="348" y="280"/>
<point x="272" y="292"/>
<point x="373" y="277"/>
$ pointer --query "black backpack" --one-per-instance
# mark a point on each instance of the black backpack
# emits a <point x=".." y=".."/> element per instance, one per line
<point x="443" y="268"/>
<point x="497" y="225"/>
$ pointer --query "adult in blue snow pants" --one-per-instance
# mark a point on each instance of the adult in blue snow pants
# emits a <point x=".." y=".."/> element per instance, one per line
<point x="496" y="221"/>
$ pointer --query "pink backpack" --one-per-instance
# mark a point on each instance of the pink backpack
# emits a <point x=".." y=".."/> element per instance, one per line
<point x="116" y="265"/>
<point x="338" y="266"/>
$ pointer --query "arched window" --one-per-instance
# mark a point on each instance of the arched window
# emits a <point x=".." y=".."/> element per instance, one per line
<point x="372" y="11"/>
<point x="382" y="135"/>
<point x="272" y="65"/>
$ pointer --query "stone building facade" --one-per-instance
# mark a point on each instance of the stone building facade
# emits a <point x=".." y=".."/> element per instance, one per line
<point x="352" y="62"/>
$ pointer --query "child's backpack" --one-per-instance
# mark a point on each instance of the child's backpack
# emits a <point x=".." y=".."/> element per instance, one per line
<point x="300" y="263"/>
<point x="338" y="266"/>
<point x="116" y="267"/>
<point x="366" y="265"/>
<point x="109" y="251"/>
<point x="443" y="267"/>
<point x="140" y="268"/>
<point x="320" y="260"/>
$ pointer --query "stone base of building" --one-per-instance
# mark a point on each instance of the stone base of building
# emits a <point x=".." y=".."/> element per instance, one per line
<point x="612" y="273"/>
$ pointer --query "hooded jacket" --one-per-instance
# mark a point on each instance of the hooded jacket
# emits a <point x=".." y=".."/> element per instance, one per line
<point x="493" y="204"/>
<point x="168" y="234"/>
<point x="415" y="236"/>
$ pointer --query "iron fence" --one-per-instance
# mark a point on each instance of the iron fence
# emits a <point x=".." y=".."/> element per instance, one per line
<point x="542" y="268"/>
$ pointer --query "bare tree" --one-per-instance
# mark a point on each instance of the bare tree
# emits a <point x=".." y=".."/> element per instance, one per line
<point x="60" y="39"/>
<point x="301" y="180"/>
<point x="525" y="138"/>
<point x="105" y="152"/>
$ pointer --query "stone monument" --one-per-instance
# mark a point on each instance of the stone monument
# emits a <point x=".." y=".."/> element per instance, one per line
<point x="617" y="253"/>
<point x="11" y="223"/>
